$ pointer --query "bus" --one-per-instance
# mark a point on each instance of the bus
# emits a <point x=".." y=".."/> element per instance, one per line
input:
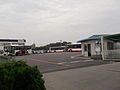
<point x="17" y="50"/>
<point x="75" y="47"/>
<point x="57" y="49"/>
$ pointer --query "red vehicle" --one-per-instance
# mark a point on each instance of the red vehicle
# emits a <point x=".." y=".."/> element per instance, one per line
<point x="18" y="50"/>
<point x="75" y="47"/>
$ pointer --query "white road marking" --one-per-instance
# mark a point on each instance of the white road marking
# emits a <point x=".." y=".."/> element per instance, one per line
<point x="79" y="56"/>
<point x="75" y="61"/>
<point x="89" y="60"/>
<point x="62" y="63"/>
<point x="72" y="57"/>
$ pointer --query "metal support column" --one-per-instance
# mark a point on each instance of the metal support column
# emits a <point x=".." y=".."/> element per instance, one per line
<point x="102" y="43"/>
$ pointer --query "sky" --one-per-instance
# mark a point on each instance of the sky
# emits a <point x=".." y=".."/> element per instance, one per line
<point x="47" y="21"/>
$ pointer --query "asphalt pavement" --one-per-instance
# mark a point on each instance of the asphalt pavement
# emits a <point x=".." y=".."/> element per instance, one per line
<point x="70" y="71"/>
<point x="102" y="77"/>
<point x="51" y="62"/>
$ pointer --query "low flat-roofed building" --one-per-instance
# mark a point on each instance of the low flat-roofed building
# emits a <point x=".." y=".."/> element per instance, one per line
<point x="105" y="46"/>
<point x="10" y="42"/>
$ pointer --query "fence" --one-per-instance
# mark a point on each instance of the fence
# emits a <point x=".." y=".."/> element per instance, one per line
<point x="112" y="54"/>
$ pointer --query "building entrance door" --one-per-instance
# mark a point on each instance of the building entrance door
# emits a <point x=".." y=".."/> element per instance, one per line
<point x="89" y="49"/>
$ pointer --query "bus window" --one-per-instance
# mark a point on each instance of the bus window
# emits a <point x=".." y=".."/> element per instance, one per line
<point x="74" y="47"/>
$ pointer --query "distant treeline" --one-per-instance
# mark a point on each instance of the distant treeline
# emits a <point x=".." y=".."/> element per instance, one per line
<point x="46" y="47"/>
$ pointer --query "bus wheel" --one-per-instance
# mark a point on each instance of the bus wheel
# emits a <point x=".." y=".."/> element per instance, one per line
<point x="16" y="54"/>
<point x="70" y="50"/>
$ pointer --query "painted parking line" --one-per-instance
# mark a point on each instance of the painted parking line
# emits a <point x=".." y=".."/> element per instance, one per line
<point x="75" y="62"/>
<point x="78" y="56"/>
<point x="72" y="57"/>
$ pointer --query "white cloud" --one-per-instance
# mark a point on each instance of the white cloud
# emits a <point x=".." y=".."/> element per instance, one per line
<point x="44" y="21"/>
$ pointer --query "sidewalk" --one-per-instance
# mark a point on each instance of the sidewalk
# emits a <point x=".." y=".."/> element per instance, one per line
<point x="102" y="77"/>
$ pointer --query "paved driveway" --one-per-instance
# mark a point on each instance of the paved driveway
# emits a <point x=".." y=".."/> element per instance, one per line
<point x="102" y="77"/>
<point x="49" y="62"/>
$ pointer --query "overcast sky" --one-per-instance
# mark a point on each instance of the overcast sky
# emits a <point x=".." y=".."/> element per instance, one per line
<point x="46" y="21"/>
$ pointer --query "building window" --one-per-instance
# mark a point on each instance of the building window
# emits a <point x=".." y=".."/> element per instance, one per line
<point x="85" y="47"/>
<point x="110" y="46"/>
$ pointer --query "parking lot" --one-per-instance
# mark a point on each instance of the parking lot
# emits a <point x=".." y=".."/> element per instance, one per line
<point x="50" y="62"/>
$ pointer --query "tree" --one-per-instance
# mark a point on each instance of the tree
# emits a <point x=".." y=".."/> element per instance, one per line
<point x="46" y="47"/>
<point x="17" y="75"/>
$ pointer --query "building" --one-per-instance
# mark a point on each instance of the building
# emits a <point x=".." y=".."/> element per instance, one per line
<point x="11" y="42"/>
<point x="106" y="47"/>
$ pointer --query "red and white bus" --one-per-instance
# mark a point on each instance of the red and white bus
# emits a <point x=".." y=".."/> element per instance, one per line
<point x="17" y="50"/>
<point x="57" y="49"/>
<point x="75" y="47"/>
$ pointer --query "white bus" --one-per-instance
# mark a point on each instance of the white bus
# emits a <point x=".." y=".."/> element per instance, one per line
<point x="75" y="47"/>
<point x="57" y="49"/>
<point x="17" y="50"/>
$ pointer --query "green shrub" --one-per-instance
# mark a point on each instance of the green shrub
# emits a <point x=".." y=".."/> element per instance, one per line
<point x="17" y="75"/>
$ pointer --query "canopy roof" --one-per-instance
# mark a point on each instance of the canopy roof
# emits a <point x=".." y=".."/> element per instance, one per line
<point x="90" y="38"/>
<point x="114" y="37"/>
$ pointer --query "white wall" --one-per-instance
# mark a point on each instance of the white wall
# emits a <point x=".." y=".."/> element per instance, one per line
<point x="93" y="48"/>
